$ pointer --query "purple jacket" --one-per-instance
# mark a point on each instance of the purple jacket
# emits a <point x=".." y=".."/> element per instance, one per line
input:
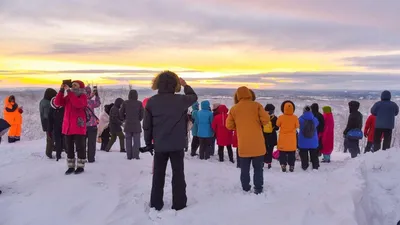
<point x="93" y="103"/>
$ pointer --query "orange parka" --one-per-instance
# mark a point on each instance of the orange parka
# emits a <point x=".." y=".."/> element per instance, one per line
<point x="288" y="124"/>
<point x="247" y="117"/>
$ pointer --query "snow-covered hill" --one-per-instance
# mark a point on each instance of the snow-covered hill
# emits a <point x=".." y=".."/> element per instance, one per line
<point x="115" y="191"/>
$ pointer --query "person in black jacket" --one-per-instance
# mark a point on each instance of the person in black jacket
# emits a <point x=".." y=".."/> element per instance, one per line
<point x="355" y="121"/>
<point x="271" y="138"/>
<point x="54" y="129"/>
<point x="115" y="126"/>
<point x="165" y="123"/>
<point x="321" y="124"/>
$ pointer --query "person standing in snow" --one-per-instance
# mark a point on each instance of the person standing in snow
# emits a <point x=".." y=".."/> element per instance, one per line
<point x="44" y="108"/>
<point x="132" y="113"/>
<point x="247" y="117"/>
<point x="354" y="124"/>
<point x="103" y="129"/>
<point x="369" y="132"/>
<point x="215" y="112"/>
<point x="321" y="126"/>
<point x="195" y="140"/>
<point x="54" y="126"/>
<point x="74" y="102"/>
<point x="115" y="126"/>
<point x="203" y="120"/>
<point x="287" y="142"/>
<point x="327" y="135"/>
<point x="385" y="112"/>
<point x="270" y="136"/>
<point x="308" y="139"/>
<point x="164" y="122"/>
<point x="13" y="115"/>
<point x="91" y="129"/>
<point x="224" y="136"/>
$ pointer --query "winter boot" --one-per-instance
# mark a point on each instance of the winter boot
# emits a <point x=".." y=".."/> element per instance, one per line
<point x="291" y="169"/>
<point x="221" y="155"/>
<point x="283" y="168"/>
<point x="11" y="139"/>
<point x="17" y="138"/>
<point x="49" y="155"/>
<point x="79" y="170"/>
<point x="0" y="192"/>
<point x="258" y="191"/>
<point x="71" y="166"/>
<point x="123" y="151"/>
<point x="269" y="166"/>
<point x="80" y="166"/>
<point x="230" y="154"/>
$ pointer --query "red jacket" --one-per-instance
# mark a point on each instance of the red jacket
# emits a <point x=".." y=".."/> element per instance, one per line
<point x="74" y="122"/>
<point x="224" y="136"/>
<point x="235" y="143"/>
<point x="328" y="134"/>
<point x="369" y="128"/>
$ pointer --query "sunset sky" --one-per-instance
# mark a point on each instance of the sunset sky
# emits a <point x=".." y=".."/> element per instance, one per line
<point x="282" y="44"/>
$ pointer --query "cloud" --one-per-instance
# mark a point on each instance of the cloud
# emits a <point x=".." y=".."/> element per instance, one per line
<point x="383" y="62"/>
<point x="187" y="24"/>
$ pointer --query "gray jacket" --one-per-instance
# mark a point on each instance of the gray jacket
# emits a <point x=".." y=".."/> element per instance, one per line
<point x="132" y="113"/>
<point x="115" y="119"/>
<point x="385" y="111"/>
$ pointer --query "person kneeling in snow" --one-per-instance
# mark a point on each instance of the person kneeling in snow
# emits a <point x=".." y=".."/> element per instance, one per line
<point x="74" y="101"/>
<point x="165" y="122"/>
<point x="247" y="117"/>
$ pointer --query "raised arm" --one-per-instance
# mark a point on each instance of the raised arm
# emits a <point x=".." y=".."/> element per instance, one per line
<point x="60" y="101"/>
<point x="264" y="115"/>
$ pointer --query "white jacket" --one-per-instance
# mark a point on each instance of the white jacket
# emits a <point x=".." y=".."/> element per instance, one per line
<point x="104" y="120"/>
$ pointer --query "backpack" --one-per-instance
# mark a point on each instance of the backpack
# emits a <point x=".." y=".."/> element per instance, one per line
<point x="309" y="129"/>
<point x="89" y="113"/>
<point x="268" y="128"/>
<point x="355" y="134"/>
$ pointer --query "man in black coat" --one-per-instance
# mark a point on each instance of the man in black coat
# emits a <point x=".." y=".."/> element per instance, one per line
<point x="55" y="121"/>
<point x="115" y="126"/>
<point x="355" y="121"/>
<point x="165" y="123"/>
<point x="321" y="124"/>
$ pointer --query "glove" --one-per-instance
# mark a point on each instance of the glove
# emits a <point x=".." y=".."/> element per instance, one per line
<point x="20" y="110"/>
<point x="148" y="148"/>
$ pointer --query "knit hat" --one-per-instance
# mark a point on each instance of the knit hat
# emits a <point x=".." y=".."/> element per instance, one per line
<point x="327" y="109"/>
<point x="53" y="104"/>
<point x="306" y="108"/>
<point x="81" y="84"/>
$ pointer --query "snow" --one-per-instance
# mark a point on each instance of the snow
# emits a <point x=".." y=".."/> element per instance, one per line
<point x="115" y="191"/>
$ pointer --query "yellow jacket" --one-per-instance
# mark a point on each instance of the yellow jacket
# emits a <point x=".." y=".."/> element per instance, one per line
<point x="247" y="117"/>
<point x="288" y="123"/>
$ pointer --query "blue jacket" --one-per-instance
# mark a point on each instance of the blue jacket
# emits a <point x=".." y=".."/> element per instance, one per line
<point x="308" y="143"/>
<point x="195" y="110"/>
<point x="385" y="111"/>
<point x="204" y="120"/>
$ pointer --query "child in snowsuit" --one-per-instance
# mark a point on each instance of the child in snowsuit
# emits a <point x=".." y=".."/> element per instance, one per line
<point x="287" y="142"/>
<point x="203" y="120"/>
<point x="354" y="123"/>
<point x="327" y="135"/>
<point x="13" y="115"/>
<point x="74" y="101"/>
<point x="369" y="131"/>
<point x="247" y="117"/>
<point x="103" y="130"/>
<point x="132" y="113"/>
<point x="308" y="139"/>
<point x="224" y="136"/>
<point x="115" y="126"/>
<point x="270" y="136"/>
<point x="195" y="140"/>
<point x="55" y="120"/>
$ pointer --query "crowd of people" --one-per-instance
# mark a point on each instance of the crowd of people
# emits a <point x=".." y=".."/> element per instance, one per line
<point x="71" y="125"/>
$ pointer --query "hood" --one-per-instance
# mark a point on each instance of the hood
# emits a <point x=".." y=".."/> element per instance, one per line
<point x="327" y="109"/>
<point x="315" y="108"/>
<point x="133" y="95"/>
<point x="205" y="105"/>
<point x="288" y="108"/>
<point x="386" y="96"/>
<point x="243" y="93"/>
<point x="354" y="106"/>
<point x="107" y="108"/>
<point x="195" y="106"/>
<point x="222" y="109"/>
<point x="53" y="104"/>
<point x="118" y="102"/>
<point x="166" y="82"/>
<point x="6" y="101"/>
<point x="308" y="115"/>
<point x="49" y="94"/>
<point x="270" y="109"/>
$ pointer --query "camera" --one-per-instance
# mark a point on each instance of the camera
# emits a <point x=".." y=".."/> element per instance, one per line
<point x="67" y="82"/>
